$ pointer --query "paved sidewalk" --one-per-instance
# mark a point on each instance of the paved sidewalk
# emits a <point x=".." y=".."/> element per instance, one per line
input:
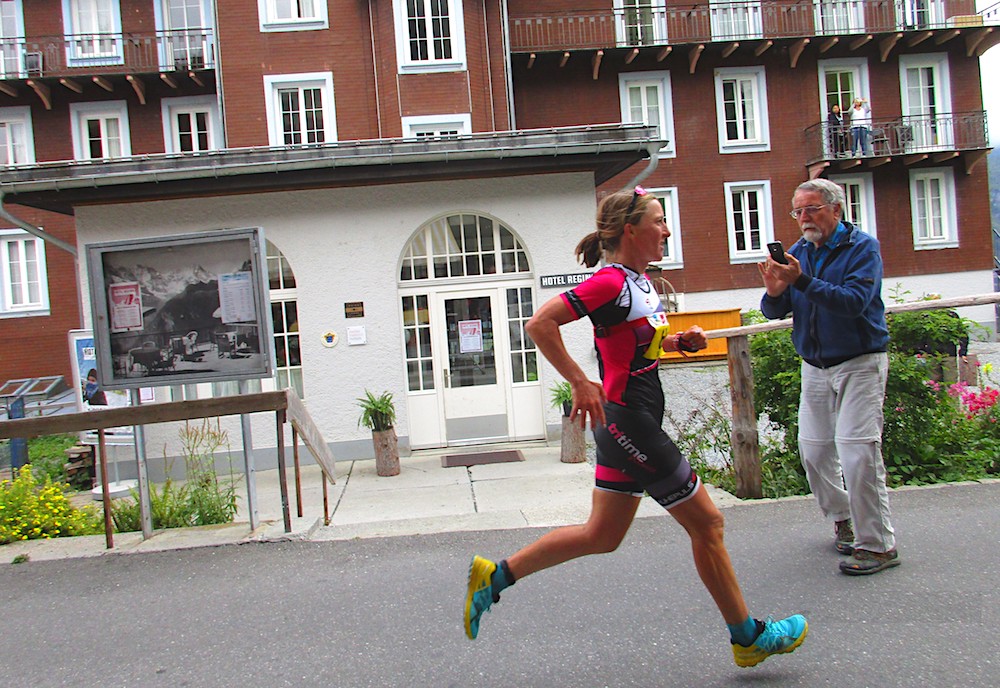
<point x="424" y="498"/>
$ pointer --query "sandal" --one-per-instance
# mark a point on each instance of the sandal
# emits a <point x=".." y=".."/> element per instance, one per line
<point x="864" y="562"/>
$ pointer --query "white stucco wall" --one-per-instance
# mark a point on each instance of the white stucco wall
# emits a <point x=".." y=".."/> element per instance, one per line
<point x="344" y="245"/>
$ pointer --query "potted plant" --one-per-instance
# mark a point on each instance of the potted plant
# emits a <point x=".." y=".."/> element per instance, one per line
<point x="573" y="446"/>
<point x="378" y="413"/>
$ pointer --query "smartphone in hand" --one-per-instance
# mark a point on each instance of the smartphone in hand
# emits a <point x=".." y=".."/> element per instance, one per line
<point x="777" y="252"/>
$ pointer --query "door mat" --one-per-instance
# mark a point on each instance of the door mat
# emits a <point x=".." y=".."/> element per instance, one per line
<point x="479" y="458"/>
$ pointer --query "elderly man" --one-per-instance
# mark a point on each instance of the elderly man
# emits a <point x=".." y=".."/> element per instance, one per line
<point x="832" y="285"/>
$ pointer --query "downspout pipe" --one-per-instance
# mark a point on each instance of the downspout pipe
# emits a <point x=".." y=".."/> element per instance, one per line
<point x="654" y="159"/>
<point x="32" y="229"/>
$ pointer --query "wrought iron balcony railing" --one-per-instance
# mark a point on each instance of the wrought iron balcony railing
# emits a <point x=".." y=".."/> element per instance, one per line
<point x="901" y="136"/>
<point x="657" y="23"/>
<point x="92" y="54"/>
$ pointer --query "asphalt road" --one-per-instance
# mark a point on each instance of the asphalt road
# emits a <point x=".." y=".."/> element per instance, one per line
<point x="387" y="612"/>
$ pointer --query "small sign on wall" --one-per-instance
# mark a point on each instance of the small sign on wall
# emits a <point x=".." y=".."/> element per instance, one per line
<point x="354" y="309"/>
<point x="564" y="280"/>
<point x="356" y="335"/>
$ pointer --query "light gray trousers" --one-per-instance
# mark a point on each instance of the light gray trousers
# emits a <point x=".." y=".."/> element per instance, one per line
<point x="840" y="442"/>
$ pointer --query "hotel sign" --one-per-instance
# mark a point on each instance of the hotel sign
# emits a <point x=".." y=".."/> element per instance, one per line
<point x="570" y="279"/>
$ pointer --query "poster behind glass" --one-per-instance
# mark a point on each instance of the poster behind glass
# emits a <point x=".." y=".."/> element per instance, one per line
<point x="178" y="310"/>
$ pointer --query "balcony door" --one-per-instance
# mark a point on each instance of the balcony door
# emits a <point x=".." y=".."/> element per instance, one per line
<point x="11" y="38"/>
<point x="186" y="34"/>
<point x="926" y="98"/>
<point x="94" y="31"/>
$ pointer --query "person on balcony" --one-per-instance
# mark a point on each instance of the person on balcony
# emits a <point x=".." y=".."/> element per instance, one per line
<point x="634" y="454"/>
<point x="837" y="132"/>
<point x="861" y="124"/>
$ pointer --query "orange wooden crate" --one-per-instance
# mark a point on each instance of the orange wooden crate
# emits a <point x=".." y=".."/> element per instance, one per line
<point x="708" y="320"/>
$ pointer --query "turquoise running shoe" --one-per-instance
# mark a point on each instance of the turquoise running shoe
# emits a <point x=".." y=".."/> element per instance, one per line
<point x="479" y="596"/>
<point x="775" y="638"/>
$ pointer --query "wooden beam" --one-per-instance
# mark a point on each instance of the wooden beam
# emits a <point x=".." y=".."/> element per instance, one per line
<point x="973" y="39"/>
<point x="43" y="92"/>
<point x="195" y="78"/>
<point x="816" y="169"/>
<point x="829" y="43"/>
<point x="945" y="36"/>
<point x="564" y="59"/>
<point x="8" y="89"/>
<point x="598" y="56"/>
<point x="859" y="41"/>
<point x="664" y="51"/>
<point x="918" y="37"/>
<point x="693" y="56"/>
<point x="71" y="85"/>
<point x="169" y="80"/>
<point x="796" y="51"/>
<point x="991" y="40"/>
<point x="914" y="158"/>
<point x="762" y="48"/>
<point x="104" y="83"/>
<point x="848" y="163"/>
<point x="631" y="56"/>
<point x="139" y="86"/>
<point x="878" y="162"/>
<point x="730" y="49"/>
<point x="943" y="155"/>
<point x="531" y="60"/>
<point x="744" y="439"/>
<point x="972" y="158"/>
<point x="887" y="44"/>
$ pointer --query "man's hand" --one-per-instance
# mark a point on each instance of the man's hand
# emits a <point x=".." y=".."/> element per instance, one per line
<point x="778" y="277"/>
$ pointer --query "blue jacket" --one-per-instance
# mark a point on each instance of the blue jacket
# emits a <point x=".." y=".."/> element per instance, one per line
<point x="838" y="311"/>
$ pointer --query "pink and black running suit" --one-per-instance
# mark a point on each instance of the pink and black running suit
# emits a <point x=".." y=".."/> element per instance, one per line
<point x="634" y="454"/>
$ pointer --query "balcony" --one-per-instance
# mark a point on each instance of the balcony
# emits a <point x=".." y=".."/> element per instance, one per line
<point x="89" y="55"/>
<point x="912" y="139"/>
<point x="659" y="24"/>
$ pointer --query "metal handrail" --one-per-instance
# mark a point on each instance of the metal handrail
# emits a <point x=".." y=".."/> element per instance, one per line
<point x="69" y="55"/>
<point x="658" y="23"/>
<point x="906" y="135"/>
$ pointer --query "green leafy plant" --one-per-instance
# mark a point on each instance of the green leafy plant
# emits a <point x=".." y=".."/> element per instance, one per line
<point x="562" y="397"/>
<point x="377" y="412"/>
<point x="203" y="499"/>
<point x="31" y="509"/>
<point x="47" y="455"/>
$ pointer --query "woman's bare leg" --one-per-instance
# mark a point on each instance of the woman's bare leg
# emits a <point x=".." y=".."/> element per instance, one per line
<point x="610" y="518"/>
<point x="704" y="523"/>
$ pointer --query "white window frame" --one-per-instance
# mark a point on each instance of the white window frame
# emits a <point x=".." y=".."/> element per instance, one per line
<point x="7" y="308"/>
<point x="19" y="116"/>
<point x="761" y="142"/>
<point x="858" y="66"/>
<point x="736" y="20"/>
<point x="116" y="49"/>
<point x="80" y="112"/>
<point x="432" y="126"/>
<point x="12" y="52"/>
<point x="949" y="213"/>
<point x="321" y="80"/>
<point x="631" y="18"/>
<point x="766" y="220"/>
<point x="456" y="63"/>
<point x="673" y="258"/>
<point x="267" y="13"/>
<point x="929" y="134"/>
<point x="171" y="107"/>
<point x="866" y="200"/>
<point x="665" y="103"/>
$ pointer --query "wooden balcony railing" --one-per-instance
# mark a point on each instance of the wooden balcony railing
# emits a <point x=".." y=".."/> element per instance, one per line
<point x="907" y="135"/>
<point x="657" y="23"/>
<point x="108" y="54"/>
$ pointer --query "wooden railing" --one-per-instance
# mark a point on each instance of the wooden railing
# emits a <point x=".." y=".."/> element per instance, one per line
<point x="287" y="407"/>
<point x="112" y="53"/>
<point x="659" y="23"/>
<point x="745" y="440"/>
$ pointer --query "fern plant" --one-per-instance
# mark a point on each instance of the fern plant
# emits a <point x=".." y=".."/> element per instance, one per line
<point x="377" y="412"/>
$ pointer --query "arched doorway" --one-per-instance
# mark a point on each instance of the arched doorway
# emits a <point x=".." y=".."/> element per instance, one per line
<point x="466" y="291"/>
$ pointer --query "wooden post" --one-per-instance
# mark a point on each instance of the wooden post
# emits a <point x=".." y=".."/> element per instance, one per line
<point x="102" y="447"/>
<point x="279" y="417"/>
<point x="386" y="452"/>
<point x="298" y="476"/>
<point x="746" y="450"/>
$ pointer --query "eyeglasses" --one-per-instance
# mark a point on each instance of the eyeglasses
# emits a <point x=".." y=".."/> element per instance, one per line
<point x="810" y="209"/>
<point x="638" y="191"/>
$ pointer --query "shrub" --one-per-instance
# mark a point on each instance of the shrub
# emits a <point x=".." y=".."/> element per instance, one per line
<point x="47" y="456"/>
<point x="31" y="510"/>
<point x="203" y="499"/>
